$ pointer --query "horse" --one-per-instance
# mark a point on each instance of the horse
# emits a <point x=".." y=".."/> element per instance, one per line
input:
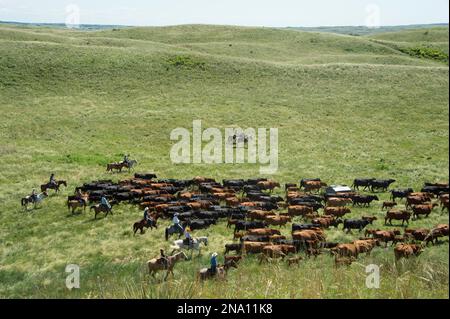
<point x="221" y="271"/>
<point x="116" y="166"/>
<point x="76" y="203"/>
<point x="195" y="245"/>
<point x="29" y="199"/>
<point x="140" y="225"/>
<point x="100" y="208"/>
<point x="172" y="229"/>
<point x="44" y="187"/>
<point x="130" y="164"/>
<point x="155" y="265"/>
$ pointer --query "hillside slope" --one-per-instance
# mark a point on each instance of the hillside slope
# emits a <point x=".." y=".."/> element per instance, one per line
<point x="346" y="107"/>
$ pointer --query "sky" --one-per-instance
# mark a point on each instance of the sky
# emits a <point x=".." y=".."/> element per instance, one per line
<point x="270" y="13"/>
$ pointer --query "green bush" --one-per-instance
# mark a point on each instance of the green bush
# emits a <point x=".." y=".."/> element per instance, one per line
<point x="427" y="53"/>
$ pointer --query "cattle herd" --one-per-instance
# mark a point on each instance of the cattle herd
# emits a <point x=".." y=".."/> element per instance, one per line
<point x="256" y="215"/>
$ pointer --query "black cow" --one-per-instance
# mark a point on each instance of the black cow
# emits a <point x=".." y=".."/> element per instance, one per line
<point x="255" y="238"/>
<point x="233" y="247"/>
<point x="206" y="214"/>
<point x="382" y="184"/>
<point x="199" y="223"/>
<point x="359" y="224"/>
<point x="362" y="182"/>
<point x="400" y="193"/>
<point x="296" y="227"/>
<point x="436" y="190"/>
<point x="244" y="225"/>
<point x="239" y="183"/>
<point x="363" y="200"/>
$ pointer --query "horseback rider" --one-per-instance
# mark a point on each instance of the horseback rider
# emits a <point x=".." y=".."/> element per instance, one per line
<point x="126" y="160"/>
<point x="33" y="195"/>
<point x="176" y="222"/>
<point x="79" y="196"/>
<point x="52" y="180"/>
<point x="163" y="259"/>
<point x="147" y="217"/>
<point x="104" y="202"/>
<point x="188" y="241"/>
<point x="213" y="264"/>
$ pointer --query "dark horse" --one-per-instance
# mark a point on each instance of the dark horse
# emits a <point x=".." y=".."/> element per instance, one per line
<point x="172" y="229"/>
<point x="44" y="187"/>
<point x="101" y="208"/>
<point x="140" y="225"/>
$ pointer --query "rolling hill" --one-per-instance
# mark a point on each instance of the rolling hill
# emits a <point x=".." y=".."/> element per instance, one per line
<point x="345" y="107"/>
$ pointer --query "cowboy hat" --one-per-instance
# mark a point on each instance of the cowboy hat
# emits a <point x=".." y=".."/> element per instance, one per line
<point x="214" y="254"/>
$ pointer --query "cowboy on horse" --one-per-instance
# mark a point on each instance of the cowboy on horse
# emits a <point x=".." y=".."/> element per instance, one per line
<point x="104" y="202"/>
<point x="162" y="258"/>
<point x="126" y="160"/>
<point x="148" y="217"/>
<point x="79" y="196"/>
<point x="176" y="222"/>
<point x="213" y="264"/>
<point x="52" y="180"/>
<point x="33" y="195"/>
<point x="188" y="241"/>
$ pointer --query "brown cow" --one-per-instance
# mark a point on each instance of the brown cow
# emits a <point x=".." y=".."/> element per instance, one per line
<point x="337" y="211"/>
<point x="299" y="210"/>
<point x="366" y="245"/>
<point x="416" y="200"/>
<point x="417" y="234"/>
<point x="263" y="232"/>
<point x="388" y="204"/>
<point x="402" y="215"/>
<point x="407" y="250"/>
<point x="338" y="202"/>
<point x="308" y="235"/>
<point x="268" y="185"/>
<point x="345" y="250"/>
<point x="254" y="247"/>
<point x="424" y="209"/>
<point x="259" y="214"/>
<point x="278" y="220"/>
<point x="313" y="185"/>
<point x="386" y="235"/>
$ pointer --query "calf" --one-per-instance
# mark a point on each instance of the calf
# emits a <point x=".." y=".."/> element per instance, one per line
<point x="233" y="247"/>
<point x="388" y="205"/>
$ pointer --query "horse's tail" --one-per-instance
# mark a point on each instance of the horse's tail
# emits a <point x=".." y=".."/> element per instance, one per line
<point x="166" y="233"/>
<point x="23" y="201"/>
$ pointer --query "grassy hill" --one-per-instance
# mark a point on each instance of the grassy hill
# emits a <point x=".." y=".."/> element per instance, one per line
<point x="346" y="107"/>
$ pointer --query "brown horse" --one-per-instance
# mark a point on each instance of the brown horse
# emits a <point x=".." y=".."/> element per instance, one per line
<point x="100" y="208"/>
<point x="44" y="187"/>
<point x="140" y="225"/>
<point x="221" y="271"/>
<point x="155" y="264"/>
<point x="74" y="203"/>
<point x="115" y="166"/>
